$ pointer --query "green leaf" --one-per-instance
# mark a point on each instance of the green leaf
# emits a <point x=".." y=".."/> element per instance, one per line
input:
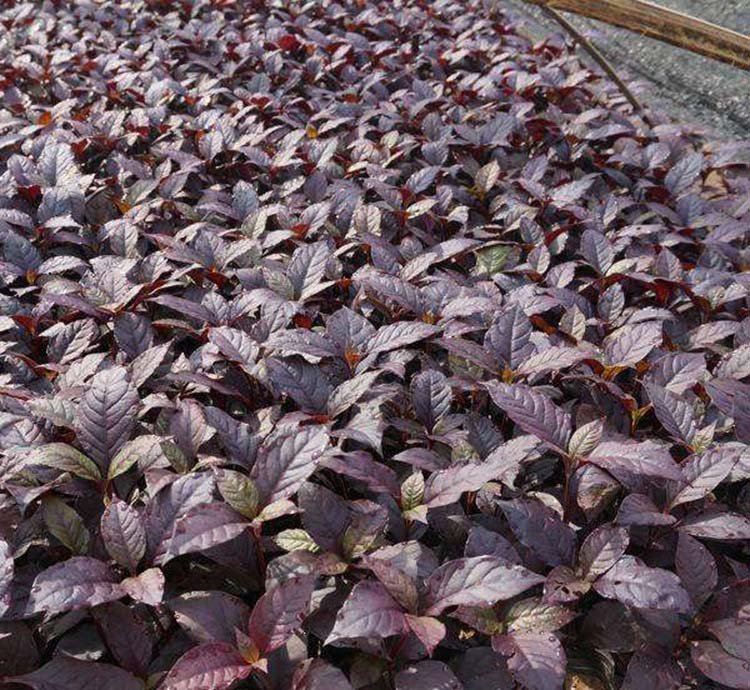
<point x="487" y="176"/>
<point x="412" y="491"/>
<point x="296" y="540"/>
<point x="534" y="615"/>
<point x="239" y="491"/>
<point x="482" y="618"/>
<point x="59" y="412"/>
<point x="586" y="438"/>
<point x="361" y="537"/>
<point x="65" y="525"/>
<point x="417" y="514"/>
<point x="146" y="451"/>
<point x="275" y="510"/>
<point x="492" y="259"/>
<point x="122" y="462"/>
<point x="175" y="456"/>
<point x="63" y="457"/>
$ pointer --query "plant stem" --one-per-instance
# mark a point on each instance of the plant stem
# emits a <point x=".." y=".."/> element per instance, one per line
<point x="570" y="467"/>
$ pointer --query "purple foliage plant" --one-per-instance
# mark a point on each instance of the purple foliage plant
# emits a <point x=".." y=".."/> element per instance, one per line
<point x="361" y="345"/>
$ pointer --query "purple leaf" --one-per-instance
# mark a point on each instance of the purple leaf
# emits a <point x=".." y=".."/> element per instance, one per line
<point x="76" y="583"/>
<point x="478" y="581"/>
<point x="717" y="525"/>
<point x="212" y="666"/>
<point x="127" y="636"/>
<point x="597" y="250"/>
<point x="551" y="359"/>
<point x="307" y="268"/>
<point x="696" y="568"/>
<point x="172" y="503"/>
<point x="123" y="534"/>
<point x="438" y="253"/>
<point x="6" y="575"/>
<point x="675" y="415"/>
<point x="741" y="414"/>
<point x="396" y="336"/>
<point x="148" y="587"/>
<point x="638" y="585"/>
<point x="481" y="667"/>
<point x="369" y="611"/>
<point x="508" y="340"/>
<point x="71" y="674"/>
<point x="235" y="437"/>
<point x="235" y="345"/>
<point x="317" y="292"/>
<point x="188" y="427"/>
<point x="570" y="192"/>
<point x="719" y="666"/>
<point x="534" y="412"/>
<point x="703" y="473"/>
<point x="734" y="635"/>
<point x="427" y="675"/>
<point x="316" y="674"/>
<point x="482" y="542"/>
<point x="284" y="464"/>
<point x="586" y="438"/>
<point x="646" y="458"/>
<point x="203" y="527"/>
<point x="210" y="616"/>
<point x="305" y="383"/>
<point x="684" y="173"/>
<point x="630" y="344"/>
<point x="431" y="395"/>
<point x="133" y="333"/>
<point x="652" y="664"/>
<point x="361" y="466"/>
<point x="279" y="612"/>
<point x="602" y="549"/>
<point x="637" y="509"/>
<point x="536" y="660"/>
<point x="184" y="306"/>
<point x="350" y="392"/>
<point x="145" y="364"/>
<point x="540" y="529"/>
<point x="349" y="330"/>
<point x="564" y="586"/>
<point x="505" y="461"/>
<point x="326" y="515"/>
<point x="18" y="651"/>
<point x="399" y="585"/>
<point x="446" y="486"/>
<point x="678" y="371"/>
<point x="387" y="287"/>
<point x="106" y="414"/>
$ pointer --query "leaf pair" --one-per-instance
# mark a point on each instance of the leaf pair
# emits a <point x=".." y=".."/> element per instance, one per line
<point x="274" y="619"/>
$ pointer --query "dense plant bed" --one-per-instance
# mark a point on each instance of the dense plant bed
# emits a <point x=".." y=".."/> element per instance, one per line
<point x="361" y="345"/>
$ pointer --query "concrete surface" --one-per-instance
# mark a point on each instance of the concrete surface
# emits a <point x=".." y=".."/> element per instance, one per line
<point x="687" y="86"/>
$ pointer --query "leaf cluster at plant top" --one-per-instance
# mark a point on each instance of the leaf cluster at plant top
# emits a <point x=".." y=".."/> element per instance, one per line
<point x="361" y="345"/>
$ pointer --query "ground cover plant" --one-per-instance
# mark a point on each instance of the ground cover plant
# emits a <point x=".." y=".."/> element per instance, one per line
<point x="361" y="345"/>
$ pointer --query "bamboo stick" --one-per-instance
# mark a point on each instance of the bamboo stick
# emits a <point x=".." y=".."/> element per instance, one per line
<point x="663" y="24"/>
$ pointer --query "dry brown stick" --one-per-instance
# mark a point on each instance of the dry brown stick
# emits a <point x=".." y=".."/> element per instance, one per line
<point x="666" y="25"/>
<point x="600" y="60"/>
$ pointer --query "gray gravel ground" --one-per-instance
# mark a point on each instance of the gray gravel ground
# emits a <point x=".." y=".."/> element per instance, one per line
<point x="687" y="86"/>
